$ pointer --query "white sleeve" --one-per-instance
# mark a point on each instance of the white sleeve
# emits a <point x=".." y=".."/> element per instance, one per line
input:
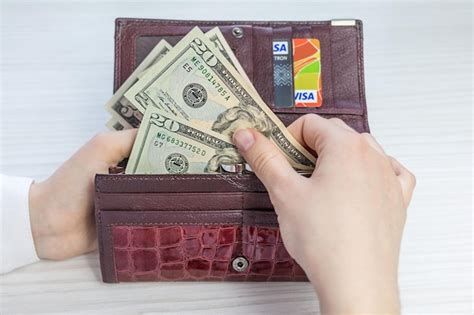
<point x="16" y="240"/>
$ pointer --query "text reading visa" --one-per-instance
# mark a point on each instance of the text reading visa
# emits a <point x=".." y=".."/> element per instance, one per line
<point x="307" y="72"/>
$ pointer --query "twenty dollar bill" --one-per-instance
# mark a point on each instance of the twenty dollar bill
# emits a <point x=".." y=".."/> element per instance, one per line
<point x="125" y="113"/>
<point x="166" y="144"/>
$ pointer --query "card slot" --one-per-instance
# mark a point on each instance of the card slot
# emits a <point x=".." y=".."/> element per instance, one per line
<point x="282" y="65"/>
<point x="347" y="67"/>
<point x="185" y="183"/>
<point x="357" y="122"/>
<point x="262" y="60"/>
<point x="322" y="34"/>
<point x="341" y="68"/>
<point x="170" y="217"/>
<point x="189" y="217"/>
<point x="179" y="201"/>
<point x="310" y="31"/>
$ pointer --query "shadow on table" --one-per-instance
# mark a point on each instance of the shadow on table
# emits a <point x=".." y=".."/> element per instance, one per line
<point x="93" y="262"/>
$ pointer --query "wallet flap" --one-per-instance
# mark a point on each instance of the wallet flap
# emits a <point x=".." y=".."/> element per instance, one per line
<point x="342" y="73"/>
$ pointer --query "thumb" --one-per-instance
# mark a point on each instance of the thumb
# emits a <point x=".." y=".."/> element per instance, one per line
<point x="109" y="147"/>
<point x="266" y="160"/>
<point x="121" y="143"/>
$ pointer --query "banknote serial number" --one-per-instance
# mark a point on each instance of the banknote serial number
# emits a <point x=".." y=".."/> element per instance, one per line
<point x="162" y="137"/>
<point x="195" y="62"/>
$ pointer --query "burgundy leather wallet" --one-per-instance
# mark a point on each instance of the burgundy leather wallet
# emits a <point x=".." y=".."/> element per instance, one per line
<point x="217" y="227"/>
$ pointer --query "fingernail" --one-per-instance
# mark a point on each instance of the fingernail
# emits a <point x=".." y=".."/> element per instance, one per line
<point x="243" y="139"/>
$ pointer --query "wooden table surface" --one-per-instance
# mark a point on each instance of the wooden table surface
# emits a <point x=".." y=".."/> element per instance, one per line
<point x="57" y="68"/>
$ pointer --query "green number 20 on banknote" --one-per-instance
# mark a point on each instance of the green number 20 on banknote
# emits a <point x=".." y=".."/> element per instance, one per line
<point x="167" y="144"/>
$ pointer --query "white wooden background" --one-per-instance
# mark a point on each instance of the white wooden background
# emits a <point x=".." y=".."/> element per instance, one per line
<point x="57" y="68"/>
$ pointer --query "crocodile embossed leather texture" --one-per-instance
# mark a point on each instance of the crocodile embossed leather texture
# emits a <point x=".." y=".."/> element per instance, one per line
<point x="201" y="252"/>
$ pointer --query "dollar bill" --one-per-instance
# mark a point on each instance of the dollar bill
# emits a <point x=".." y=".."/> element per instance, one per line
<point x="112" y="124"/>
<point x="126" y="115"/>
<point x="197" y="83"/>
<point x="218" y="39"/>
<point x="124" y="112"/>
<point x="166" y="144"/>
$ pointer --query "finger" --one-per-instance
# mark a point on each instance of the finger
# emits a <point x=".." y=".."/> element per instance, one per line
<point x="315" y="132"/>
<point x="373" y="143"/>
<point x="341" y="124"/>
<point x="296" y="130"/>
<point x="406" y="178"/>
<point x="113" y="146"/>
<point x="265" y="159"/>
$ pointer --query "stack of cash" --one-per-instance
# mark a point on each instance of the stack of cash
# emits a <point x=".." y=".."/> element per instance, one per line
<point x="187" y="101"/>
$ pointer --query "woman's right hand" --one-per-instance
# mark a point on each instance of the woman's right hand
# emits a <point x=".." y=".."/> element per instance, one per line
<point x="343" y="224"/>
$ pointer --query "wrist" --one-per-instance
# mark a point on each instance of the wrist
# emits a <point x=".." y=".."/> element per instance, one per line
<point x="356" y="291"/>
<point x="38" y="217"/>
<point x="58" y="232"/>
<point x="359" y="300"/>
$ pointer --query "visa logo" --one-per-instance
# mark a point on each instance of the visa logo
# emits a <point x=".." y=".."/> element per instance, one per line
<point x="306" y="96"/>
<point x="280" y="48"/>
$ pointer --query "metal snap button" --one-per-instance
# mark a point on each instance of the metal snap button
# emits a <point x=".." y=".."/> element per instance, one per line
<point x="238" y="32"/>
<point x="240" y="264"/>
<point x="248" y="168"/>
<point x="233" y="168"/>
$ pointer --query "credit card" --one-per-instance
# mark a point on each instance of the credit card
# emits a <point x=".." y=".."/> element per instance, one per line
<point x="282" y="74"/>
<point x="307" y="72"/>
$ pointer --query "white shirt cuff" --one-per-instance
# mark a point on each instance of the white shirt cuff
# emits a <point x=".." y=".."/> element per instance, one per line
<point x="16" y="240"/>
